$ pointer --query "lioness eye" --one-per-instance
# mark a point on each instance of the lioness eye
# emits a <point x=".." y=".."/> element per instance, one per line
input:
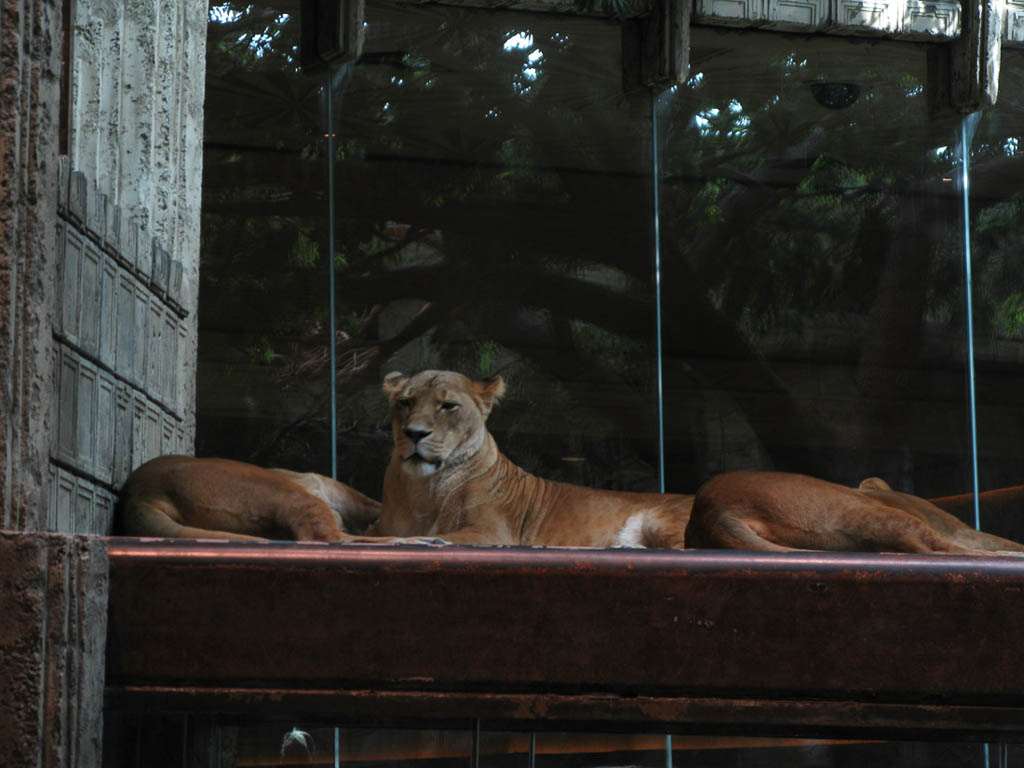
<point x="449" y="406"/>
<point x="404" y="402"/>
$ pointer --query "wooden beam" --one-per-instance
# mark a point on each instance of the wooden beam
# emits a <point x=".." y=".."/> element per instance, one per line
<point x="818" y="643"/>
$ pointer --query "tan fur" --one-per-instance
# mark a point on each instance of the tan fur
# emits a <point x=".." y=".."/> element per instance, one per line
<point x="447" y="478"/>
<point x="187" y="497"/>
<point x="781" y="511"/>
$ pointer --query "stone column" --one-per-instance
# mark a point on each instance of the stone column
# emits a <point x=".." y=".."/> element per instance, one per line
<point x="53" y="599"/>
<point x="30" y="67"/>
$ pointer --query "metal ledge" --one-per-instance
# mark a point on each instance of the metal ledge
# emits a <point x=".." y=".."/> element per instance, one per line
<point x="824" y="643"/>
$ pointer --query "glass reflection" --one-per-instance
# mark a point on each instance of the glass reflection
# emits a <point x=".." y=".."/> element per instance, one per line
<point x="263" y="336"/>
<point x="812" y="265"/>
<point x="493" y="215"/>
<point x="154" y="741"/>
<point x="997" y="208"/>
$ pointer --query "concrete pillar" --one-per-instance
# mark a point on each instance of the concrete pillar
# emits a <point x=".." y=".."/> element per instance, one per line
<point x="53" y="599"/>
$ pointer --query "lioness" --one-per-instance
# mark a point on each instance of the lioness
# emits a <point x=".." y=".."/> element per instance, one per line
<point x="781" y="511"/>
<point x="447" y="478"/>
<point x="187" y="497"/>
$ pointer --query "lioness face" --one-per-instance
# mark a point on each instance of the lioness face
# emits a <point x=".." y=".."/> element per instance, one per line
<point x="437" y="418"/>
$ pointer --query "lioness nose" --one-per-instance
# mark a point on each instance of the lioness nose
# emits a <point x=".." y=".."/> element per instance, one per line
<point x="416" y="434"/>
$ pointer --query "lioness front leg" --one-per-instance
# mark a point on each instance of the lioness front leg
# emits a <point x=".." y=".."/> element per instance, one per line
<point x="314" y="521"/>
<point x="475" y="537"/>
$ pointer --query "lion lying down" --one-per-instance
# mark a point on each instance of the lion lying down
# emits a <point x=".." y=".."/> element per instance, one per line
<point x="186" y="497"/>
<point x="781" y="512"/>
<point x="448" y="478"/>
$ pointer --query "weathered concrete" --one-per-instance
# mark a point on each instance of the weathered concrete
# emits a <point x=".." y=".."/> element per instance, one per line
<point x="135" y="128"/>
<point x="29" y="121"/>
<point x="136" y="133"/>
<point x="53" y="593"/>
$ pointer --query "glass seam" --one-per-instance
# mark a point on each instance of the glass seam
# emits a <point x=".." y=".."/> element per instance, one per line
<point x="656" y="223"/>
<point x="331" y="335"/>
<point x="965" y="135"/>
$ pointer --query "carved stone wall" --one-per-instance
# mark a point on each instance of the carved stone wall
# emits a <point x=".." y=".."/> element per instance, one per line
<point x="127" y="251"/>
<point x="53" y="590"/>
<point x="98" y="267"/>
<point x="121" y="337"/>
<point x="30" y="43"/>
<point x="934" y="20"/>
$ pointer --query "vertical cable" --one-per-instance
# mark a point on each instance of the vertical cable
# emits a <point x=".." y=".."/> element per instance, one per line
<point x="475" y="760"/>
<point x="965" y="152"/>
<point x="656" y="200"/>
<point x="331" y="335"/>
<point x="532" y="762"/>
<point x="967" y="128"/>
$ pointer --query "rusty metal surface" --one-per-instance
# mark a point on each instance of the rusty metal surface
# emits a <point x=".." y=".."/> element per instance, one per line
<point x="701" y="639"/>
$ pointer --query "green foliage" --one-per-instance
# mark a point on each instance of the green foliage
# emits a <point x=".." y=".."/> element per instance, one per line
<point x="1010" y="318"/>
<point x="487" y="356"/>
<point x="304" y="251"/>
<point x="261" y="351"/>
<point x="492" y="179"/>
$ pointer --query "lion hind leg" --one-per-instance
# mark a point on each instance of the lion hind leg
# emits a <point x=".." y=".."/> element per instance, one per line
<point x="982" y="542"/>
<point x="149" y="519"/>
<point x="891" y="529"/>
<point x="729" y="528"/>
<point x="310" y="519"/>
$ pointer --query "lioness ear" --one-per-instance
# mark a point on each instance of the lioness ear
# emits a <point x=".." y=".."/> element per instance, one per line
<point x="874" y="484"/>
<point x="393" y="382"/>
<point x="489" y="392"/>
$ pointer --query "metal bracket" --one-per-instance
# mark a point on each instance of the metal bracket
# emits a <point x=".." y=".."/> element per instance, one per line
<point x="332" y="30"/>
<point x="974" y="56"/>
<point x="656" y="47"/>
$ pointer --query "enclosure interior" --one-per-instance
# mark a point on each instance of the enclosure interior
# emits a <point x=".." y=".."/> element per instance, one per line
<point x="764" y="267"/>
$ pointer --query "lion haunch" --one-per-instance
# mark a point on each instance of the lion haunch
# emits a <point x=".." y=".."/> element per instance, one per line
<point x="187" y="497"/>
<point x="782" y="511"/>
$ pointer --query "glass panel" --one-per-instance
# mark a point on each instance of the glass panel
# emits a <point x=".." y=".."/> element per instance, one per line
<point x="263" y="333"/>
<point x="812" y="265"/>
<point x="997" y="211"/>
<point x="184" y="741"/>
<point x="808" y="754"/>
<point x="390" y="748"/>
<point x="493" y="216"/>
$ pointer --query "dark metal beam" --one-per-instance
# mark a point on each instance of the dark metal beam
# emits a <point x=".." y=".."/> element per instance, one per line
<point x="975" y="56"/>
